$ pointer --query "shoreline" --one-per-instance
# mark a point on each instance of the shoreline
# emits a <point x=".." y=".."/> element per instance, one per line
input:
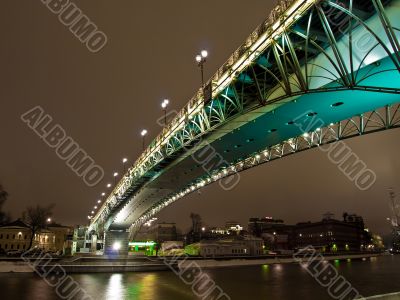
<point x="211" y="263"/>
<point x="105" y="265"/>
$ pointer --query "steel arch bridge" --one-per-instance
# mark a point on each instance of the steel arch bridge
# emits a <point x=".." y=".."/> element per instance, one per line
<point x="314" y="72"/>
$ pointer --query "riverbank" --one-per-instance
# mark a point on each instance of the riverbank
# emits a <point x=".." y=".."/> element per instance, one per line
<point x="212" y="263"/>
<point x="147" y="264"/>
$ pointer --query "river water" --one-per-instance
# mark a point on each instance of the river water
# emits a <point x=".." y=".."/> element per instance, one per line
<point x="280" y="281"/>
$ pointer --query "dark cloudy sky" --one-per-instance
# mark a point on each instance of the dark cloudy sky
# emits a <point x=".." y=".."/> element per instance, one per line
<point x="103" y="100"/>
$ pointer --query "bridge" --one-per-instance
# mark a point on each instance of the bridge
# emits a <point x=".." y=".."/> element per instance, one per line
<point x="313" y="73"/>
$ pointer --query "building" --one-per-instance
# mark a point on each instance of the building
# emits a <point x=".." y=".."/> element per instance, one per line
<point x="275" y="233"/>
<point x="330" y="235"/>
<point x="79" y="239"/>
<point x="15" y="236"/>
<point x="159" y="232"/>
<point x="258" y="226"/>
<point x="46" y="240"/>
<point x="236" y="246"/>
<point x="233" y="227"/>
<point x="62" y="235"/>
<point x="148" y="248"/>
<point x="327" y="235"/>
<point x="165" y="232"/>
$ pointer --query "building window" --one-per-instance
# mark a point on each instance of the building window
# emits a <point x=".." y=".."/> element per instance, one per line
<point x="5" y="246"/>
<point x="12" y="246"/>
<point x="1" y="236"/>
<point x="18" y="246"/>
<point x="25" y="237"/>
<point x="13" y="236"/>
<point x="7" y="236"/>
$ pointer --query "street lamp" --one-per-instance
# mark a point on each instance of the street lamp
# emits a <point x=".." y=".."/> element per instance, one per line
<point x="164" y="106"/>
<point x="124" y="161"/>
<point x="115" y="178"/>
<point x="48" y="220"/>
<point x="143" y="133"/>
<point x="108" y="185"/>
<point x="201" y="59"/>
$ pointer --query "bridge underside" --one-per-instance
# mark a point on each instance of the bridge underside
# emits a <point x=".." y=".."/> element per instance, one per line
<point x="251" y="134"/>
<point x="324" y="65"/>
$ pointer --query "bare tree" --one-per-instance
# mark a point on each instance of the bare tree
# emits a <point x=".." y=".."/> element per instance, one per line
<point x="4" y="217"/>
<point x="3" y="196"/>
<point x="36" y="219"/>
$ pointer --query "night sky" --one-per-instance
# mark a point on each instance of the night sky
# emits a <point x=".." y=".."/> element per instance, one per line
<point x="103" y="100"/>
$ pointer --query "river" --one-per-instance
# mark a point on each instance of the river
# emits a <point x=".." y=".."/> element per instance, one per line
<point x="280" y="281"/>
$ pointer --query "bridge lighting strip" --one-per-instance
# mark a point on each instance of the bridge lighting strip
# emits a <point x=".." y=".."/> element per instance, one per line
<point x="293" y="13"/>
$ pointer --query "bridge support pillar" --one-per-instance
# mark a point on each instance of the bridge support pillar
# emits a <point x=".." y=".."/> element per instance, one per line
<point x="93" y="247"/>
<point x="116" y="242"/>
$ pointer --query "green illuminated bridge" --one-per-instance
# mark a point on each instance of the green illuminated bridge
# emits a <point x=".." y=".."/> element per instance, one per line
<point x="313" y="73"/>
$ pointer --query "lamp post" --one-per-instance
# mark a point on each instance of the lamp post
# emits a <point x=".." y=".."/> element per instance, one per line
<point x="124" y="161"/>
<point x="143" y="133"/>
<point x="164" y="106"/>
<point x="201" y="59"/>
<point x="115" y="177"/>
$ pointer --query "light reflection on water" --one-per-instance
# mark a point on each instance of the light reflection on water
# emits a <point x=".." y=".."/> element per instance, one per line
<point x="115" y="289"/>
<point x="279" y="281"/>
